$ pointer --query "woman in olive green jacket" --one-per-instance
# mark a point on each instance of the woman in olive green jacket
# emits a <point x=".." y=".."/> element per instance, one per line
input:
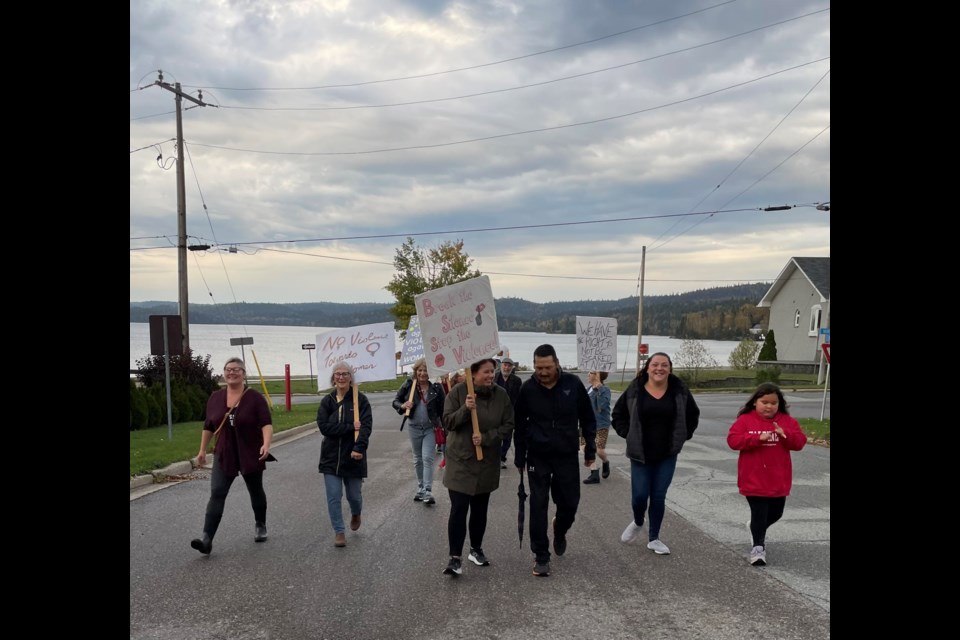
<point x="468" y="480"/>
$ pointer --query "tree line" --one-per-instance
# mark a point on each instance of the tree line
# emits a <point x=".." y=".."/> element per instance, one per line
<point x="719" y="313"/>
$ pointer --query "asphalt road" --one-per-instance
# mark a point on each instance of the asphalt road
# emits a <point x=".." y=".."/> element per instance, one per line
<point x="387" y="582"/>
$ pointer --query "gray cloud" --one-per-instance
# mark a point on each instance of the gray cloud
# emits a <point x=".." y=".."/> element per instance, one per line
<point x="266" y="174"/>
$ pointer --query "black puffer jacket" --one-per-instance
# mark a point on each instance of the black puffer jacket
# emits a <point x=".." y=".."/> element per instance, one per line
<point x="435" y="398"/>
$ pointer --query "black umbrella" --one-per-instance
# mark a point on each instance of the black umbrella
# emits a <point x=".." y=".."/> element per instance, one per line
<point x="522" y="494"/>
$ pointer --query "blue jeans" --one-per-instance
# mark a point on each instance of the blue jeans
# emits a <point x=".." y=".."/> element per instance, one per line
<point x="334" y="484"/>
<point x="649" y="483"/>
<point x="424" y="446"/>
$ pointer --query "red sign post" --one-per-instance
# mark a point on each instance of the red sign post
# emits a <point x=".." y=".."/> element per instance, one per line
<point x="826" y="350"/>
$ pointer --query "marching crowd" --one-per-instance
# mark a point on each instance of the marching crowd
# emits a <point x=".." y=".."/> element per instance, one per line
<point x="472" y="421"/>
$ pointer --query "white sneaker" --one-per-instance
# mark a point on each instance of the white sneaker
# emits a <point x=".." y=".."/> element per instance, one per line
<point x="630" y="534"/>
<point x="758" y="556"/>
<point x="658" y="547"/>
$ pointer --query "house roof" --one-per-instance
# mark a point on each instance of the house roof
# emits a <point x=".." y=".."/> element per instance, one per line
<point x="815" y="270"/>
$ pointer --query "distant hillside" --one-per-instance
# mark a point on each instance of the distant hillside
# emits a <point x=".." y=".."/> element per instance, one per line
<point x="721" y="313"/>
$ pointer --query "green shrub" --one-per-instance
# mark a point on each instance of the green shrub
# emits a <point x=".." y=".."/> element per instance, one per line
<point x="767" y="375"/>
<point x="769" y="351"/>
<point x="744" y="355"/>
<point x="139" y="412"/>
<point x="191" y="369"/>
<point x="157" y="405"/>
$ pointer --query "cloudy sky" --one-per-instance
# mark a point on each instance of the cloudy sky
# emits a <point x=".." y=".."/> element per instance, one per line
<point x="556" y="138"/>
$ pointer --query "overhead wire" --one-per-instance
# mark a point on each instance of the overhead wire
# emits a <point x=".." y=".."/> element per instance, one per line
<point x="524" y="86"/>
<point x="727" y="177"/>
<point x="214" y="234"/>
<point x="514" y="133"/>
<point x="477" y="66"/>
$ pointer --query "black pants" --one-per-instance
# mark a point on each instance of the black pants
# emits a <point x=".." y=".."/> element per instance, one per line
<point x="557" y="477"/>
<point x="505" y="447"/>
<point x="220" y="487"/>
<point x="460" y="504"/>
<point x="763" y="513"/>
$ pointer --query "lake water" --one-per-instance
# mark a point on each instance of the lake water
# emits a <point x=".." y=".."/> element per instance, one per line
<point x="274" y="347"/>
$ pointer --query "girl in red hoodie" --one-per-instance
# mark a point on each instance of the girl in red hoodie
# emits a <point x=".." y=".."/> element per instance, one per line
<point x="765" y="434"/>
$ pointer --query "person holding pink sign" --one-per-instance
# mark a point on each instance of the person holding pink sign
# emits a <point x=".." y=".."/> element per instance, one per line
<point x="470" y="481"/>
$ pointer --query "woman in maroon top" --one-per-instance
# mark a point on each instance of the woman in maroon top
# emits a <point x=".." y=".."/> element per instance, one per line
<point x="240" y="417"/>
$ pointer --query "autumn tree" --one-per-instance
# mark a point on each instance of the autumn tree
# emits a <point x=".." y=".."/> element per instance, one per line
<point x="420" y="270"/>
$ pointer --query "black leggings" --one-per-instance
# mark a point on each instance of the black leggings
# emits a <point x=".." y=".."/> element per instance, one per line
<point x="460" y="504"/>
<point x="763" y="513"/>
<point x="220" y="487"/>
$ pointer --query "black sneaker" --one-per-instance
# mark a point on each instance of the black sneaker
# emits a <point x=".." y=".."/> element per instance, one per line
<point x="476" y="557"/>
<point x="559" y="541"/>
<point x="260" y="533"/>
<point x="453" y="567"/>
<point x="541" y="569"/>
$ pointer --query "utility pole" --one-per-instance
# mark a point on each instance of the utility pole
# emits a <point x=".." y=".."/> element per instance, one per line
<point x="181" y="208"/>
<point x="643" y="262"/>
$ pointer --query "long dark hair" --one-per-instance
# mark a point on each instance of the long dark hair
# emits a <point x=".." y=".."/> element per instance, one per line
<point x="763" y="390"/>
<point x="646" y="364"/>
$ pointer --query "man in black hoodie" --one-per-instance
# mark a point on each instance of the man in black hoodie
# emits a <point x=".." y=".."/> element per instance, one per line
<point x="547" y="443"/>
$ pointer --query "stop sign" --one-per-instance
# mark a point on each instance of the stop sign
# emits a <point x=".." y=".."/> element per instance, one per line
<point x="643" y="348"/>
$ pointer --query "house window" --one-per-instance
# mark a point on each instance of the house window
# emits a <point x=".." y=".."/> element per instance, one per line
<point x="796" y="318"/>
<point x="815" y="313"/>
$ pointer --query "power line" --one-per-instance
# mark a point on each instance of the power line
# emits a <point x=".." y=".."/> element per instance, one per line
<point x="480" y="229"/>
<point x="477" y="66"/>
<point x="739" y="164"/>
<point x="524" y="86"/>
<point x="515" y="133"/>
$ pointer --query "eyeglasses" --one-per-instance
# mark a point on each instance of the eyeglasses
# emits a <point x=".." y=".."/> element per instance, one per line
<point x="233" y="370"/>
<point x="342" y="374"/>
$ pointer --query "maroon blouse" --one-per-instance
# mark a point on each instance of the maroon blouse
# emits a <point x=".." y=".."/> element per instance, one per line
<point x="238" y="445"/>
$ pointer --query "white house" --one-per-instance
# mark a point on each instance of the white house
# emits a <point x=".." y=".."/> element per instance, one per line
<point x="799" y="302"/>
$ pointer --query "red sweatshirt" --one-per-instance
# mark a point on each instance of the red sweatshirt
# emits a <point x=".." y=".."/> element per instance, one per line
<point x="764" y="468"/>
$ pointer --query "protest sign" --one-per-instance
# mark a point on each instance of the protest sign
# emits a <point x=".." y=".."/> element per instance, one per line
<point x="458" y="324"/>
<point x="412" y="342"/>
<point x="370" y="349"/>
<point x="596" y="343"/>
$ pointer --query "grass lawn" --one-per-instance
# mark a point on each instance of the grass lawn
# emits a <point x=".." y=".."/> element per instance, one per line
<point x="819" y="430"/>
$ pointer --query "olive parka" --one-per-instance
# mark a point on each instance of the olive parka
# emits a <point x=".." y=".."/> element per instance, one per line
<point x="463" y="472"/>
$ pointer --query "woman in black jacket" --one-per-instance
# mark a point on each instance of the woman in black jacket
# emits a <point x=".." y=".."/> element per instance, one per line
<point x="426" y="408"/>
<point x="343" y="453"/>
<point x="655" y="415"/>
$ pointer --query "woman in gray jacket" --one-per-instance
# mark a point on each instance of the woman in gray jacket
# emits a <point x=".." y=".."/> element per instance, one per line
<point x="468" y="480"/>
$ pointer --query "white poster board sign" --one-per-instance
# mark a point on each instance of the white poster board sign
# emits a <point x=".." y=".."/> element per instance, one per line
<point x="596" y="343"/>
<point x="370" y="349"/>
<point x="459" y="325"/>
<point x="412" y="343"/>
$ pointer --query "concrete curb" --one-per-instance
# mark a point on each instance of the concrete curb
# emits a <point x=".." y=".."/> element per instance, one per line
<point x="186" y="466"/>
